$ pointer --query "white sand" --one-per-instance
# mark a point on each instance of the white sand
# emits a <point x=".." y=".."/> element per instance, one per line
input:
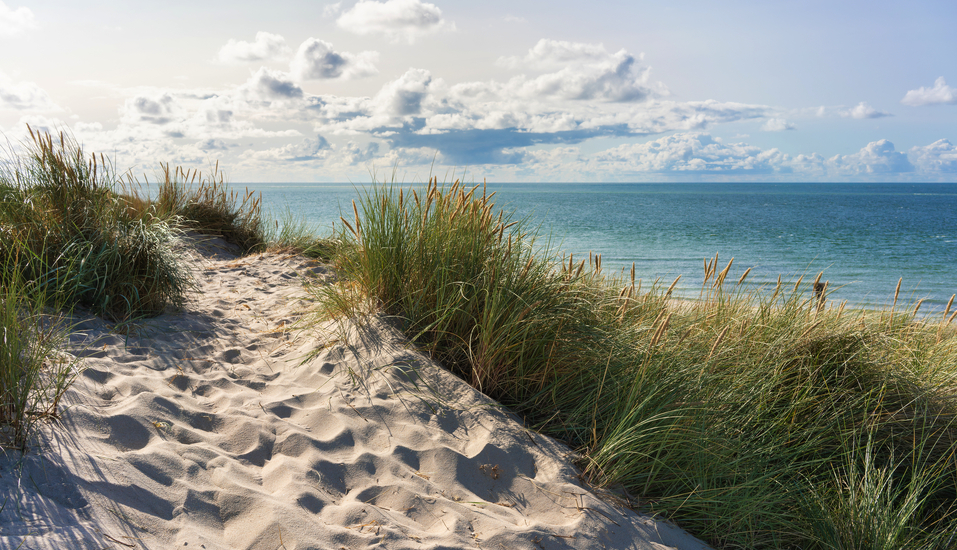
<point x="220" y="427"/>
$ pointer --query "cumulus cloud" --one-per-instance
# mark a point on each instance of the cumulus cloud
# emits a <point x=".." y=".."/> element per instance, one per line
<point x="15" y="22"/>
<point x="317" y="60"/>
<point x="266" y="46"/>
<point x="777" y="125"/>
<point x="489" y="122"/>
<point x="863" y="110"/>
<point x="877" y="157"/>
<point x="940" y="94"/>
<point x="212" y="144"/>
<point x="24" y="96"/>
<point x="939" y="157"/>
<point x="315" y="152"/>
<point x="405" y="95"/>
<point x="332" y="10"/>
<point x="552" y="54"/>
<point x="582" y="72"/>
<point x="397" y="19"/>
<point x="307" y="149"/>
<point x="692" y="152"/>
<point x="268" y="85"/>
<point x="159" y="110"/>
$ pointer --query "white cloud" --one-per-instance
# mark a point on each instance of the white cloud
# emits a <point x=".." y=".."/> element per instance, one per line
<point x="777" y="125"/>
<point x="266" y="46"/>
<point x="308" y="149"/>
<point x="332" y="10"/>
<point x="266" y="85"/>
<point x="15" y="22"/>
<point x="404" y="96"/>
<point x="938" y="157"/>
<point x="940" y="94"/>
<point x="397" y="19"/>
<point x="549" y="54"/>
<point x="316" y="60"/>
<point x="159" y="110"/>
<point x="24" y="96"/>
<point x="863" y="110"/>
<point x="582" y="72"/>
<point x="877" y="157"/>
<point x="691" y="152"/>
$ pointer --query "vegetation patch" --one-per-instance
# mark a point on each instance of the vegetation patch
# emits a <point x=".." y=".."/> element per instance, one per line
<point x="74" y="233"/>
<point x="754" y="419"/>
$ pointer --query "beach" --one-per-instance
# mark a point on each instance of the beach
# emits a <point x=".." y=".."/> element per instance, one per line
<point x="233" y="423"/>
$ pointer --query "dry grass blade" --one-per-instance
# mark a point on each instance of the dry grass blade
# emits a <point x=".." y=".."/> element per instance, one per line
<point x="672" y="287"/>
<point x="744" y="276"/>
<point x="717" y="342"/>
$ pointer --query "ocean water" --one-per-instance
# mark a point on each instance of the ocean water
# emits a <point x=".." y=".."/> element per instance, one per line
<point x="864" y="237"/>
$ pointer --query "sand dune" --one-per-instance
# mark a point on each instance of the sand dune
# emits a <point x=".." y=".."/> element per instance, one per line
<point x="224" y="426"/>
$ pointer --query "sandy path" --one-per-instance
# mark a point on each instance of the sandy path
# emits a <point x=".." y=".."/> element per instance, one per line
<point x="221" y="427"/>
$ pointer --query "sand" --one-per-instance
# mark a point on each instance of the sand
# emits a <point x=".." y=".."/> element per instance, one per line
<point x="228" y="426"/>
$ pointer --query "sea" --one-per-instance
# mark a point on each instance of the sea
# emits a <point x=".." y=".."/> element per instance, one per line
<point x="863" y="237"/>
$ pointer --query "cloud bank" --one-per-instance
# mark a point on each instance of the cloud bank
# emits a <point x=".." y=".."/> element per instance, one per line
<point x="530" y="125"/>
<point x="24" y="96"/>
<point x="863" y="110"/>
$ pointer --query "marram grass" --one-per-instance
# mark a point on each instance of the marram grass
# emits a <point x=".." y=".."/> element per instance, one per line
<point x="72" y="236"/>
<point x="73" y="233"/>
<point x="754" y="419"/>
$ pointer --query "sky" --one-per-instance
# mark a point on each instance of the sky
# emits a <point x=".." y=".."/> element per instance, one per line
<point x="541" y="91"/>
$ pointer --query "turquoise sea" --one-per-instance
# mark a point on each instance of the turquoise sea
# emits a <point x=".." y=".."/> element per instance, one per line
<point x="864" y="237"/>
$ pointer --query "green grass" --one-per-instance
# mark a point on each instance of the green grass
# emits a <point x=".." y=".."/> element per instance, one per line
<point x="205" y="203"/>
<point x="32" y="376"/>
<point x="74" y="234"/>
<point x="753" y="419"/>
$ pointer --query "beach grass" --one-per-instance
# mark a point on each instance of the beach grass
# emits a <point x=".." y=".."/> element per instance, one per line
<point x="71" y="235"/>
<point x="74" y="233"/>
<point x="33" y="376"/>
<point x="752" y="418"/>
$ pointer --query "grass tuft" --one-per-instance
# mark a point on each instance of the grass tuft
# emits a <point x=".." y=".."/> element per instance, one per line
<point x="72" y="236"/>
<point x="33" y="377"/>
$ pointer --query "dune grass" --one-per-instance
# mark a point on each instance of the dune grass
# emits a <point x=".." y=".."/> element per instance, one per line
<point x="205" y="203"/>
<point x="754" y="419"/>
<point x="70" y="235"/>
<point x="74" y="233"/>
<point x="33" y="376"/>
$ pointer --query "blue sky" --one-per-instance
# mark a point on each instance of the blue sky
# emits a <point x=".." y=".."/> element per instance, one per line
<point x="509" y="91"/>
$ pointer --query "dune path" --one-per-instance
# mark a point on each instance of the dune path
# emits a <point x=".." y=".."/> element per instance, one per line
<point x="227" y="426"/>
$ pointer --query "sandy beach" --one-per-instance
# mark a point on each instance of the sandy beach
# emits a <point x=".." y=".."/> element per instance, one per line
<point x="228" y="425"/>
